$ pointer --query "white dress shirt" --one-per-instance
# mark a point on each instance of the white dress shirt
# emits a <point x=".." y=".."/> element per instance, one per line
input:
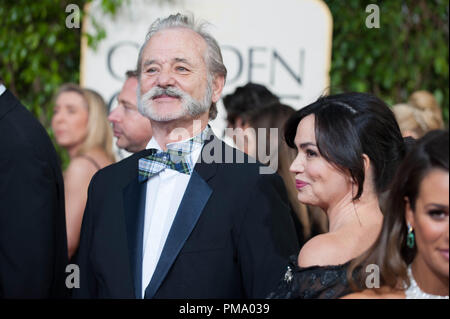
<point x="2" y="89"/>
<point x="164" y="194"/>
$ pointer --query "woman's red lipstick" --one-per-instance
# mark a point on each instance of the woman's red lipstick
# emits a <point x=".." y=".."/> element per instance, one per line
<point x="300" y="184"/>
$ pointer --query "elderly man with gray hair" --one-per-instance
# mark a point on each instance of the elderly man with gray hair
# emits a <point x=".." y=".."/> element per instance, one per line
<point x="181" y="219"/>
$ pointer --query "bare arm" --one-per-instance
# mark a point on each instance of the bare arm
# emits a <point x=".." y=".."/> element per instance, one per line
<point x="358" y="295"/>
<point x="385" y="293"/>
<point x="76" y="183"/>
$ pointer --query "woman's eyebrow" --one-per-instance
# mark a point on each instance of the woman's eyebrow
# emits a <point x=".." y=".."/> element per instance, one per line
<point x="306" y="144"/>
<point x="436" y="205"/>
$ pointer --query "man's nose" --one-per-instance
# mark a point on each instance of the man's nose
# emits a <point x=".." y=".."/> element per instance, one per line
<point x="114" y="115"/>
<point x="165" y="78"/>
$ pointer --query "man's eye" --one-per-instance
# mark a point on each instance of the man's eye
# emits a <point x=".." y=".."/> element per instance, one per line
<point x="151" y="70"/>
<point x="129" y="108"/>
<point x="181" y="68"/>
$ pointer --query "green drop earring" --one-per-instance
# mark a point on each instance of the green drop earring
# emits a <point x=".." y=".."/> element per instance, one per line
<point x="410" y="237"/>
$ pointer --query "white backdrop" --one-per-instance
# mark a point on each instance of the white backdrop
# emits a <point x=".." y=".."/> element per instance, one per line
<point x="284" y="45"/>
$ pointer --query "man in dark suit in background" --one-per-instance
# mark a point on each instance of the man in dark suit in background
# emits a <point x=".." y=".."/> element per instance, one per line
<point x="131" y="128"/>
<point x="33" y="244"/>
<point x="178" y="220"/>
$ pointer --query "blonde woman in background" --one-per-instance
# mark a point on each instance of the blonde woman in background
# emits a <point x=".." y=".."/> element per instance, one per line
<point x="81" y="127"/>
<point x="420" y="115"/>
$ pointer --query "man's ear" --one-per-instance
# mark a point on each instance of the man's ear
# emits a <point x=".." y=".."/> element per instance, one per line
<point x="410" y="133"/>
<point x="218" y="84"/>
<point x="409" y="214"/>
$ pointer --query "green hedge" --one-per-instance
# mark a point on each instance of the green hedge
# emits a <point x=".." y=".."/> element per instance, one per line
<point x="408" y="52"/>
<point x="38" y="52"/>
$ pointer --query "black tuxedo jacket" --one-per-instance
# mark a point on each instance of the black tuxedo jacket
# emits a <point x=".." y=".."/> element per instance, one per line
<point x="33" y="244"/>
<point x="231" y="236"/>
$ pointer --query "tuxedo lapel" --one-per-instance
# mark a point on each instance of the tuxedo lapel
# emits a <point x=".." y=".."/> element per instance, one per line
<point x="134" y="209"/>
<point x="191" y="207"/>
<point x="7" y="102"/>
<point x="194" y="200"/>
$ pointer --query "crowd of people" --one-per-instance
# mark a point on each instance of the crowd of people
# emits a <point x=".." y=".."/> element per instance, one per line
<point x="355" y="185"/>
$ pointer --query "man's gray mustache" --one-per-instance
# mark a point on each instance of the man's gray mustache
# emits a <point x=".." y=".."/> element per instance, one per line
<point x="156" y="91"/>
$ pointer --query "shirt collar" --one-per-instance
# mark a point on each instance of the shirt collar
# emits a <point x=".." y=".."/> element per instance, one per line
<point x="187" y="145"/>
<point x="2" y="89"/>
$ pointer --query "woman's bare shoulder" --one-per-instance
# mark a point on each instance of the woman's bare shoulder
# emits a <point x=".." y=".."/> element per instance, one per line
<point x="365" y="294"/>
<point x="100" y="157"/>
<point x="79" y="172"/>
<point x="359" y="295"/>
<point x="382" y="293"/>
<point x="80" y="165"/>
<point x="322" y="250"/>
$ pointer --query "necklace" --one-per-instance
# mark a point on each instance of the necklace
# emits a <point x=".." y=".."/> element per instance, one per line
<point x="414" y="291"/>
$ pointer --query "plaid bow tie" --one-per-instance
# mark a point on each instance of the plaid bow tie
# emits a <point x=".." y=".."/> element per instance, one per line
<point x="177" y="158"/>
<point x="157" y="161"/>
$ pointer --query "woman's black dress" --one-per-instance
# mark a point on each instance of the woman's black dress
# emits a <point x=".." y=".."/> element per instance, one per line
<point x="315" y="282"/>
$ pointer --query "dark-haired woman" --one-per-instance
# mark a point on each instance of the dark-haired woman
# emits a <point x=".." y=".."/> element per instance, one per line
<point x="349" y="146"/>
<point x="412" y="249"/>
<point x="279" y="158"/>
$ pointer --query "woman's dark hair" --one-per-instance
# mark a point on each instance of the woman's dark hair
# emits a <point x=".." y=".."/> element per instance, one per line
<point x="389" y="251"/>
<point x="275" y="116"/>
<point x="245" y="100"/>
<point x="349" y="125"/>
